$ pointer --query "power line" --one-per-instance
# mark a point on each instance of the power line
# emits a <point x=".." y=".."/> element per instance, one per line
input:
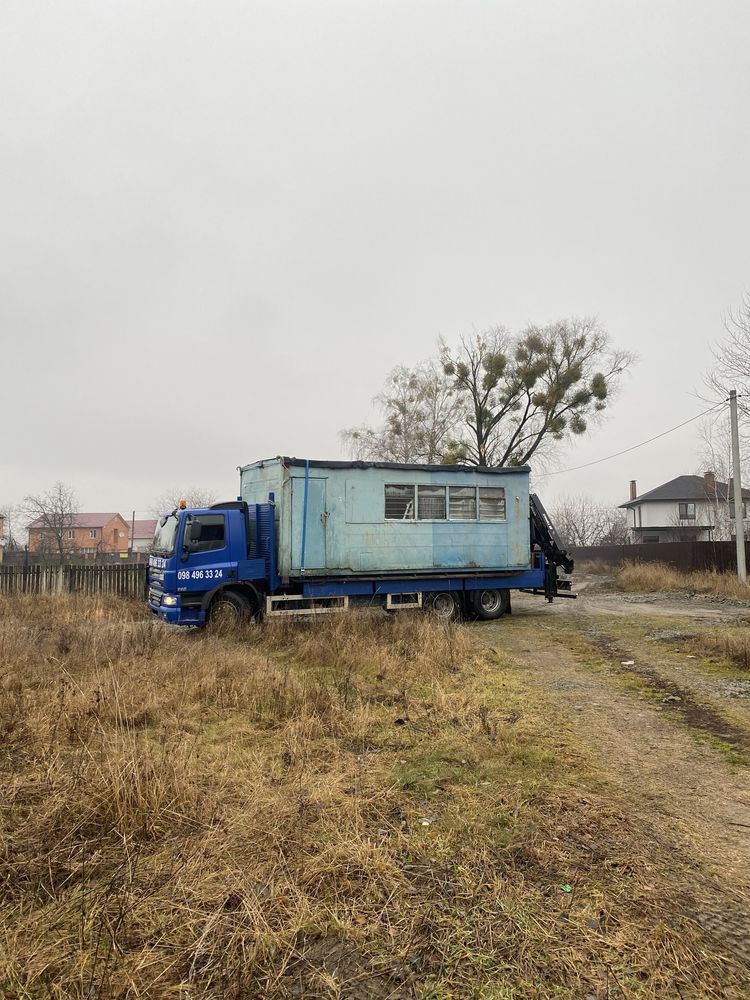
<point x="607" y="458"/>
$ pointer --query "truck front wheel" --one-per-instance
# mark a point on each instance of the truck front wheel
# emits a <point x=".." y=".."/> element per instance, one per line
<point x="229" y="609"/>
<point x="488" y="605"/>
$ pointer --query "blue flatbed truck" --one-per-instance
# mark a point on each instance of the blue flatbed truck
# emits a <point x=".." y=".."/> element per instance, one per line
<point x="304" y="537"/>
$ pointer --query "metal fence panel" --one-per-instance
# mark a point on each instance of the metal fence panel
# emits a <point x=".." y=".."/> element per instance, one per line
<point x="685" y="556"/>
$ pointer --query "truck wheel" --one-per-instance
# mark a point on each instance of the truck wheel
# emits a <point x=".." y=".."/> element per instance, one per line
<point x="442" y="605"/>
<point x="228" y="609"/>
<point x="488" y="605"/>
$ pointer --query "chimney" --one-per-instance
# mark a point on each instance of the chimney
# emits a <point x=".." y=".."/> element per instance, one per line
<point x="709" y="483"/>
<point x="633" y="490"/>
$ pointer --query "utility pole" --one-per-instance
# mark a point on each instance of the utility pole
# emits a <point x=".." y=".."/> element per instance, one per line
<point x="739" y="520"/>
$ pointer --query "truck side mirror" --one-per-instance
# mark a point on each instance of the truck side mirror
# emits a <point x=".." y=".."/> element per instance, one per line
<point x="192" y="536"/>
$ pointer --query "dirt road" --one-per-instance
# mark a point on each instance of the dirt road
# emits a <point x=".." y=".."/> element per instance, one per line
<point x="667" y="725"/>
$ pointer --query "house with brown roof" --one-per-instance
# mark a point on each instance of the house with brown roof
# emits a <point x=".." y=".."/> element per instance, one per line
<point x="84" y="534"/>
<point x="698" y="508"/>
<point x="142" y="534"/>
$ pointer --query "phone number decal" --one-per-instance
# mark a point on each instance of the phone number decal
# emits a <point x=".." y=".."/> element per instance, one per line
<point x="200" y="574"/>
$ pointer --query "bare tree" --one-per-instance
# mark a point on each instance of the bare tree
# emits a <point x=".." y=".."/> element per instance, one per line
<point x="715" y="454"/>
<point x="14" y="527"/>
<point x="731" y="368"/>
<point x="194" y="496"/>
<point x="581" y="520"/>
<point x="54" y="514"/>
<point x="524" y="393"/>
<point x="420" y="410"/>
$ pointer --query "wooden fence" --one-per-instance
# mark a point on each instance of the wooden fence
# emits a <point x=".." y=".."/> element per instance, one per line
<point x="686" y="556"/>
<point x="126" y="580"/>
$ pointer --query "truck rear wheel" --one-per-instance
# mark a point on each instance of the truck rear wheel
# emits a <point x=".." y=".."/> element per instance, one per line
<point x="228" y="610"/>
<point x="442" y="605"/>
<point x="489" y="605"/>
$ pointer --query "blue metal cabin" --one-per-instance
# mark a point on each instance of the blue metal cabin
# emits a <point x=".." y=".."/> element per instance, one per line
<point x="352" y="518"/>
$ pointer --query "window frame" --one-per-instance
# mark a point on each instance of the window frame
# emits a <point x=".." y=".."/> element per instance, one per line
<point x="687" y="516"/>
<point x="214" y="545"/>
<point x="397" y="520"/>
<point x="432" y="486"/>
<point x="491" y="520"/>
<point x="414" y="518"/>
<point x="463" y="520"/>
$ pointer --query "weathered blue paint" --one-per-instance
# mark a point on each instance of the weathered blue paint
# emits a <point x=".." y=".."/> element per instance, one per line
<point x="347" y="529"/>
<point x="308" y="496"/>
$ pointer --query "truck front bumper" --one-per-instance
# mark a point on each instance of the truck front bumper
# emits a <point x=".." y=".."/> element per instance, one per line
<point x="175" y="614"/>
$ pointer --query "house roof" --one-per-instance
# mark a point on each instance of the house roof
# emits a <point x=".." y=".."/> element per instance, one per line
<point x="97" y="520"/>
<point x="684" y="488"/>
<point x="144" y="528"/>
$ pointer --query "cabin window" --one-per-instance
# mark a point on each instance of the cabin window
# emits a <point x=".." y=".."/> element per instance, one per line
<point x="687" y="511"/>
<point x="211" y="533"/>
<point x="431" y="503"/>
<point x="399" y="502"/>
<point x="441" y="503"/>
<point x="462" y="503"/>
<point x="491" y="503"/>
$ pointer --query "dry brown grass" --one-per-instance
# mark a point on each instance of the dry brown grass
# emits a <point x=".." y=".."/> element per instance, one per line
<point x="655" y="577"/>
<point x="731" y="642"/>
<point x="359" y="806"/>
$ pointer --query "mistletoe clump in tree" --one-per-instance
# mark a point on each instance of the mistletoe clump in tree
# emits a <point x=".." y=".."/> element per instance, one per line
<point x="522" y="394"/>
<point x="497" y="398"/>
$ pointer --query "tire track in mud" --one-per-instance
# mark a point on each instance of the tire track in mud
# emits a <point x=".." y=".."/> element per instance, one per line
<point x="680" y="700"/>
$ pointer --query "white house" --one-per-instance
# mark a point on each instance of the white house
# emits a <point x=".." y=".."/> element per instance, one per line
<point x="685" y="508"/>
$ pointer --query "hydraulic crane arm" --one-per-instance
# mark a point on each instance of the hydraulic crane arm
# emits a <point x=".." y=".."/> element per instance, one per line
<point x="544" y="535"/>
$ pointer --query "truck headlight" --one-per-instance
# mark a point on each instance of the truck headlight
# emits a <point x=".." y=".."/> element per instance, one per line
<point x="170" y="600"/>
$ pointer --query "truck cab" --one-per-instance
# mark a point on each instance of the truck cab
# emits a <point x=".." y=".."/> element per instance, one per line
<point x="204" y="558"/>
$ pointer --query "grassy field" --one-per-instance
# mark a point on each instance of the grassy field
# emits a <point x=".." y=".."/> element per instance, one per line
<point x="363" y="806"/>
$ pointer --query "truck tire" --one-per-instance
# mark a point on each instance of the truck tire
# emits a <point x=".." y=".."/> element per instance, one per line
<point x="488" y="605"/>
<point x="229" y="609"/>
<point x="443" y="605"/>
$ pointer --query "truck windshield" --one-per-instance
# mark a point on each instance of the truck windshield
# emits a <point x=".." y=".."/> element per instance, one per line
<point x="165" y="535"/>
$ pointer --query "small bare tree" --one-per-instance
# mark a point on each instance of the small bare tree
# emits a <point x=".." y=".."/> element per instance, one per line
<point x="194" y="496"/>
<point x="54" y="514"/>
<point x="581" y="520"/>
<point x="715" y="452"/>
<point x="731" y="368"/>
<point x="420" y="411"/>
<point x="14" y="533"/>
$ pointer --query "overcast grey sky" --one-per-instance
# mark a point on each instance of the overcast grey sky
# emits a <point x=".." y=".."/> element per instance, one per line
<point x="222" y="223"/>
